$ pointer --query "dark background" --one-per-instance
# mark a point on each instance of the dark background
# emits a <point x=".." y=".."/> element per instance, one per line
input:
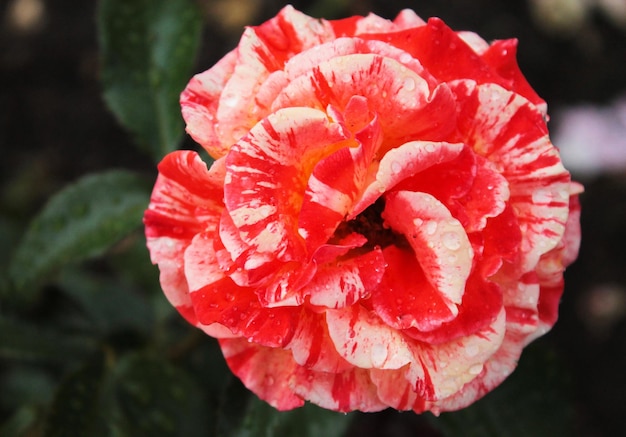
<point x="54" y="128"/>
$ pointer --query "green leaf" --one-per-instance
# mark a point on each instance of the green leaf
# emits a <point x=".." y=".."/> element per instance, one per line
<point x="533" y="401"/>
<point x="81" y="221"/>
<point x="22" y="341"/>
<point x="148" y="50"/>
<point x="75" y="405"/>
<point x="20" y="423"/>
<point x="109" y="304"/>
<point x="147" y="396"/>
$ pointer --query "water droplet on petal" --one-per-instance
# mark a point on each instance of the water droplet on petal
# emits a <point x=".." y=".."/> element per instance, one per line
<point x="471" y="350"/>
<point x="451" y="241"/>
<point x="476" y="369"/>
<point x="378" y="354"/>
<point x="409" y="84"/>
<point x="431" y="227"/>
<point x="396" y="167"/>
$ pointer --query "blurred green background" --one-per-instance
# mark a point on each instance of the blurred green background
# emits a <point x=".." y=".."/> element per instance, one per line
<point x="90" y="346"/>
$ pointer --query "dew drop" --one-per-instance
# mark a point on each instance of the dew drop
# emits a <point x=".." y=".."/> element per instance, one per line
<point x="431" y="227"/>
<point x="418" y="222"/>
<point x="405" y="58"/>
<point x="409" y="84"/>
<point x="346" y="77"/>
<point x="476" y="369"/>
<point x="230" y="297"/>
<point x="378" y="354"/>
<point x="471" y="350"/>
<point x="430" y="147"/>
<point x="396" y="167"/>
<point x="451" y="241"/>
<point x="270" y="380"/>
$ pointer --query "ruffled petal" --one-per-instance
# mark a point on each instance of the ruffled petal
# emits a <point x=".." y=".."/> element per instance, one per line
<point x="344" y="282"/>
<point x="405" y="298"/>
<point x="267" y="372"/>
<point x="401" y="163"/>
<point x="510" y="132"/>
<point x="438" y="240"/>
<point x="346" y="391"/>
<point x="407" y="107"/>
<point x="267" y="173"/>
<point x="365" y="341"/>
<point x="199" y="102"/>
<point x="439" y="371"/>
<point x="262" y="50"/>
<point x="185" y="201"/>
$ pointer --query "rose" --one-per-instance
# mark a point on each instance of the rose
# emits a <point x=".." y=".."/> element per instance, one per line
<point x="386" y="222"/>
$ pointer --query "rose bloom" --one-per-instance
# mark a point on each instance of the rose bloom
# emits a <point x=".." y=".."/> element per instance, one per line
<point x="386" y="222"/>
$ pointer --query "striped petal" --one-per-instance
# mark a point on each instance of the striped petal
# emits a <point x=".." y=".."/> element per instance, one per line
<point x="510" y="132"/>
<point x="186" y="200"/>
<point x="438" y="240"/>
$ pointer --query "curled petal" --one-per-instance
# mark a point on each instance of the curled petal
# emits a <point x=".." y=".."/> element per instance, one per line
<point x="407" y="300"/>
<point x="199" y="102"/>
<point x="401" y="163"/>
<point x="186" y="200"/>
<point x="345" y="391"/>
<point x="267" y="172"/>
<point x="263" y="370"/>
<point x="312" y="347"/>
<point x="510" y="132"/>
<point x="407" y="107"/>
<point x="438" y="240"/>
<point x="365" y="341"/>
<point x="262" y="50"/>
<point x="346" y="281"/>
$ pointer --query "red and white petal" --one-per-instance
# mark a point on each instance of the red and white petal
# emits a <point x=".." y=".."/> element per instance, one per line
<point x="510" y="132"/>
<point x="186" y="200"/>
<point x="344" y="282"/>
<point x="262" y="50"/>
<point x="312" y="347"/>
<point x="267" y="372"/>
<point x="404" y="162"/>
<point x="365" y="341"/>
<point x="502" y="57"/>
<point x="267" y="172"/>
<point x="405" y="298"/>
<point x="408" y="19"/>
<point x="346" y="391"/>
<point x="406" y="106"/>
<point x="438" y="240"/>
<point x="495" y="370"/>
<point x="199" y="102"/>
<point x="449" y="366"/>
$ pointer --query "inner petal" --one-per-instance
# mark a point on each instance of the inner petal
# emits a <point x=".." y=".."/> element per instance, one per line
<point x="438" y="240"/>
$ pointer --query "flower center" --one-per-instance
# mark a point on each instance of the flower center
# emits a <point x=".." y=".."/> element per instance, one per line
<point x="369" y="223"/>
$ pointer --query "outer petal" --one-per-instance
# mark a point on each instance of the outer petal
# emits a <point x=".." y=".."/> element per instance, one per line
<point x="510" y="132"/>
<point x="262" y="50"/>
<point x="439" y="372"/>
<point x="448" y="57"/>
<point x="199" y="102"/>
<point x="345" y="391"/>
<point x="186" y="200"/>
<point x="268" y="372"/>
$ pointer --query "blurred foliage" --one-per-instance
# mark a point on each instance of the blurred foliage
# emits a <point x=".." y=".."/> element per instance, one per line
<point x="88" y="344"/>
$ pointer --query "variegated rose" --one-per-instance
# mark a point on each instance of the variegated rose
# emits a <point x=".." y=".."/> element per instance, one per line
<point x="386" y="222"/>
